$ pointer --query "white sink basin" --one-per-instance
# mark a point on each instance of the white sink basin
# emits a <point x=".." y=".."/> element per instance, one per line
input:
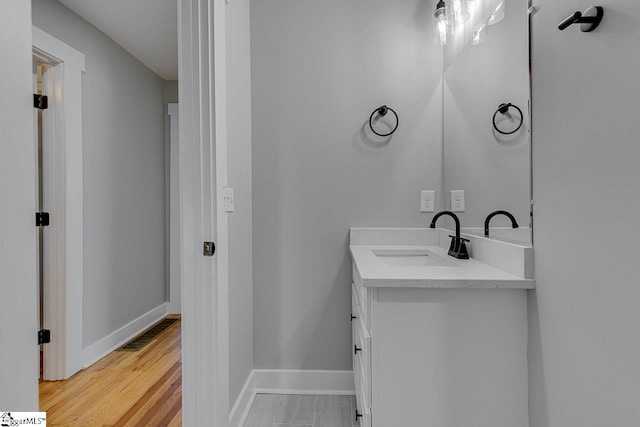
<point x="411" y="258"/>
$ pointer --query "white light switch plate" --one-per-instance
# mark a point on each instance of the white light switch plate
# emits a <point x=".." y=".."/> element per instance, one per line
<point x="227" y="199"/>
<point x="427" y="201"/>
<point x="457" y="200"/>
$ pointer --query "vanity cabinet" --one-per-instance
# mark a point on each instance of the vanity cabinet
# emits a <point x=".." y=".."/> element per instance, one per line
<point x="433" y="357"/>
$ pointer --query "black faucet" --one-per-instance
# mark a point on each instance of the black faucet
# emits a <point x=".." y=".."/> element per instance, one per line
<point x="514" y="223"/>
<point x="457" y="248"/>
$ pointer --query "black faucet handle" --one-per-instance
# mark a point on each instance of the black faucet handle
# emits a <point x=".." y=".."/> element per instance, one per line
<point x="458" y="249"/>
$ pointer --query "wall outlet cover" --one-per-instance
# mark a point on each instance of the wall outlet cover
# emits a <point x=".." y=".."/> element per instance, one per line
<point x="427" y="201"/>
<point x="457" y="200"/>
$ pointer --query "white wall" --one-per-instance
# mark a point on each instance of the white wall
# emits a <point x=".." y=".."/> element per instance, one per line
<point x="318" y="71"/>
<point x="239" y="177"/>
<point x="124" y="176"/>
<point x="494" y="170"/>
<point x="584" y="319"/>
<point x="18" y="283"/>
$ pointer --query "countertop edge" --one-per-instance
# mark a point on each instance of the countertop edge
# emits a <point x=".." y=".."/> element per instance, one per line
<point x="524" y="284"/>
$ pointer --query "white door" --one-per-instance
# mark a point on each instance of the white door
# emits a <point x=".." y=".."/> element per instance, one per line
<point x="47" y="236"/>
<point x="42" y="271"/>
<point x="36" y="142"/>
<point x="18" y="282"/>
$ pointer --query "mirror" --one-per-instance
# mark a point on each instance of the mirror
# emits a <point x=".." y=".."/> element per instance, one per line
<point x="486" y="64"/>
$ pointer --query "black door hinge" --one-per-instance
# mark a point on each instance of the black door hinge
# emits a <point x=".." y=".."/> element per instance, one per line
<point x="44" y="336"/>
<point x="41" y="102"/>
<point x="42" y="219"/>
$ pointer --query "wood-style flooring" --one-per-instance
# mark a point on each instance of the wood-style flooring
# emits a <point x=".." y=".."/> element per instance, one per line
<point x="272" y="410"/>
<point x="140" y="388"/>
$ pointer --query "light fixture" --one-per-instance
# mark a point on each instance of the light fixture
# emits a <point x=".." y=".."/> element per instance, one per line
<point x="497" y="15"/>
<point x="459" y="13"/>
<point x="441" y="15"/>
<point x="479" y="35"/>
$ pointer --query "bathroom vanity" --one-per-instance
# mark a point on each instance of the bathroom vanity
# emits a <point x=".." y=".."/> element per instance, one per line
<point x="439" y="341"/>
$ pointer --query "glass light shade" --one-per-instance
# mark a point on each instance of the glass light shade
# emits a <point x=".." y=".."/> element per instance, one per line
<point x="497" y="15"/>
<point x="479" y="35"/>
<point x="441" y="15"/>
<point x="442" y="29"/>
<point x="460" y="15"/>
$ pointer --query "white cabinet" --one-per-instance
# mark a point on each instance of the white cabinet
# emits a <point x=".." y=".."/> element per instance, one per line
<point x="361" y="358"/>
<point x="440" y="357"/>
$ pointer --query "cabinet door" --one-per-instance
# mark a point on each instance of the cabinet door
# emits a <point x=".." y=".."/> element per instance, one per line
<point x="361" y="353"/>
<point x="450" y="358"/>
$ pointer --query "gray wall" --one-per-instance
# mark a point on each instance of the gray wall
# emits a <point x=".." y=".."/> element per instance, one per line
<point x="318" y="71"/>
<point x="239" y="177"/>
<point x="124" y="176"/>
<point x="493" y="170"/>
<point x="584" y="340"/>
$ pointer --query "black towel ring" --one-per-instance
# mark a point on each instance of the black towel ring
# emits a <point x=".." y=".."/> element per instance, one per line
<point x="502" y="109"/>
<point x="382" y="111"/>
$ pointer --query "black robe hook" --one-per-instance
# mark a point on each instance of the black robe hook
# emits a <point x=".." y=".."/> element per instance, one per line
<point x="589" y="20"/>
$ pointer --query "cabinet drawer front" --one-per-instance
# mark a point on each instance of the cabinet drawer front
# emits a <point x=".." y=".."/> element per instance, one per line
<point x="355" y="339"/>
<point x="363" y="293"/>
<point x="356" y="275"/>
<point x="356" y="302"/>
<point x="360" y="296"/>
<point x="362" y="357"/>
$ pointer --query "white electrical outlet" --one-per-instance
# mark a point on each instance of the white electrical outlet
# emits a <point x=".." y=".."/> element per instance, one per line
<point x="427" y="201"/>
<point x="457" y="200"/>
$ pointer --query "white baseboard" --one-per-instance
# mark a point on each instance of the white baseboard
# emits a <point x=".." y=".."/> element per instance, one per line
<point x="106" y="345"/>
<point x="241" y="408"/>
<point x="289" y="381"/>
<point x="293" y="381"/>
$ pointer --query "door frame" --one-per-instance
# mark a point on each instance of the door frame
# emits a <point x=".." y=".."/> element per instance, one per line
<point x="203" y="160"/>
<point x="175" y="268"/>
<point x="62" y="181"/>
<point x="205" y="326"/>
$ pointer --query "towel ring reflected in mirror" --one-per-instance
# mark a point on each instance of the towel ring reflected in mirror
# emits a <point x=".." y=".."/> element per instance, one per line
<point x="504" y="110"/>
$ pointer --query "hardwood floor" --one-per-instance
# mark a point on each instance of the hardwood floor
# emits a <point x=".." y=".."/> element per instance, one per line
<point x="272" y="410"/>
<point x="142" y="388"/>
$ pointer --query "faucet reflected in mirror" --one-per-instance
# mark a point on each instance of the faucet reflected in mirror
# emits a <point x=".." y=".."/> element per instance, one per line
<point x="457" y="249"/>
<point x="514" y="223"/>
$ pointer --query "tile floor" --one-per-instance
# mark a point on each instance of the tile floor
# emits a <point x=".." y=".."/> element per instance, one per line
<point x="272" y="410"/>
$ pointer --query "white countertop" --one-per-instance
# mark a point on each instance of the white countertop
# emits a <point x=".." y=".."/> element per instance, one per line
<point x="460" y="274"/>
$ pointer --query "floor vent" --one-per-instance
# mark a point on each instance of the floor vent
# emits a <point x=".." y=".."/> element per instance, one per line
<point x="149" y="335"/>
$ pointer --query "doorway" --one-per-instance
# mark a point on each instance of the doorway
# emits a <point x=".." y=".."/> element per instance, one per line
<point x="59" y="193"/>
<point x="60" y="68"/>
<point x="207" y="342"/>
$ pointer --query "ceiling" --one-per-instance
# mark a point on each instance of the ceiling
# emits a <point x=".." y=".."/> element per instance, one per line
<point x="147" y="29"/>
